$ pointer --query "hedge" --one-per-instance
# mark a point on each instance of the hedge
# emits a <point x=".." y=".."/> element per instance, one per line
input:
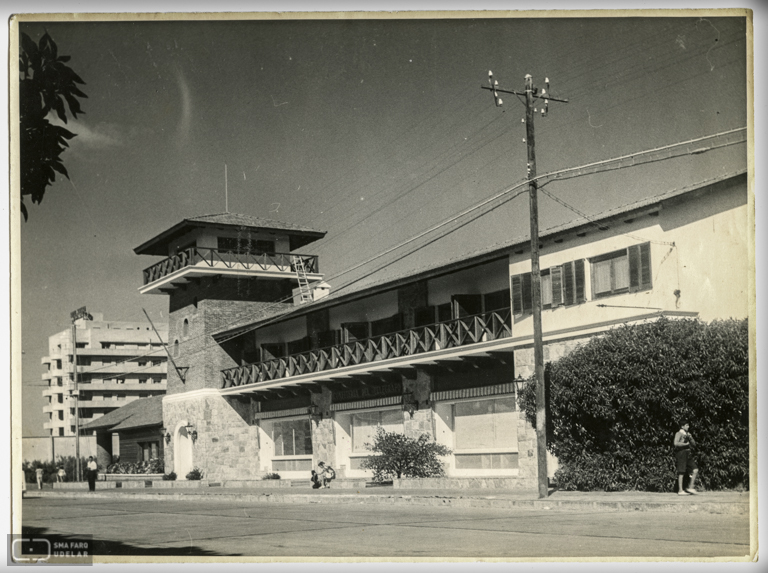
<point x="615" y="403"/>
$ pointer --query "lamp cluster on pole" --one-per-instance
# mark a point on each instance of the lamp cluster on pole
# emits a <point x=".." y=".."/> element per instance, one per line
<point x="532" y="95"/>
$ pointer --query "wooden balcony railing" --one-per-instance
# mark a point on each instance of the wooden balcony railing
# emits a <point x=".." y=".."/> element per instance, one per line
<point x="198" y="256"/>
<point x="449" y="334"/>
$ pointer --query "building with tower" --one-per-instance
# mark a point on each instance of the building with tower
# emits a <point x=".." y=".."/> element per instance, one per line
<point x="117" y="362"/>
<point x="274" y="371"/>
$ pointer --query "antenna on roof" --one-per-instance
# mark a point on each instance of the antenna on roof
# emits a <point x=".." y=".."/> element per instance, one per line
<point x="226" y="192"/>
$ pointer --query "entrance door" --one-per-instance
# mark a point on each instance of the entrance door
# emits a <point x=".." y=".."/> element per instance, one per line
<point x="182" y="459"/>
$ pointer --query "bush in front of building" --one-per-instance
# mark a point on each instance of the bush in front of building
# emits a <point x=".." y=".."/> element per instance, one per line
<point x="271" y="476"/>
<point x="195" y="474"/>
<point x="615" y="404"/>
<point x="399" y="456"/>
<point x="169" y="477"/>
<point x="153" y="466"/>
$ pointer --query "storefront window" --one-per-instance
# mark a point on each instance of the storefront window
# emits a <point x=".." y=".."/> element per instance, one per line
<point x="484" y="429"/>
<point x="364" y="426"/>
<point x="292" y="438"/>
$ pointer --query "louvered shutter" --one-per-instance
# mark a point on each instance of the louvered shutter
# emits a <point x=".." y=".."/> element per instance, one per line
<point x="569" y="283"/>
<point x="634" y="267"/>
<point x="557" y="286"/>
<point x="645" y="266"/>
<point x="517" y="295"/>
<point x="578" y="267"/>
<point x="527" y="293"/>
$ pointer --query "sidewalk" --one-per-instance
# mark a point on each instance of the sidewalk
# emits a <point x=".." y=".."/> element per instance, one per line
<point x="707" y="502"/>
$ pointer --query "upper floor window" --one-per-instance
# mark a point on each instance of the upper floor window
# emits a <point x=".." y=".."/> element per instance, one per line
<point x="245" y="245"/>
<point x="185" y="328"/>
<point x="627" y="270"/>
<point x="560" y="285"/>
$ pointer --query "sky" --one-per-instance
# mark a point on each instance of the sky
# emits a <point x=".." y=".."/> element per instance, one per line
<point x="371" y="130"/>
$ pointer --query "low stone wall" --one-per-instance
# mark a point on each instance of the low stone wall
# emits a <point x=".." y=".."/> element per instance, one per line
<point x="131" y="477"/>
<point x="505" y="483"/>
<point x="133" y="481"/>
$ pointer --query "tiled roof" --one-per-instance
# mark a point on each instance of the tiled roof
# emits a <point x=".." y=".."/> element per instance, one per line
<point x="158" y="245"/>
<point x="136" y="414"/>
<point x="249" y="221"/>
<point x="385" y="276"/>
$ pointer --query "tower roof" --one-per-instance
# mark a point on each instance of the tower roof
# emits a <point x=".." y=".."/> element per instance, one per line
<point x="299" y="235"/>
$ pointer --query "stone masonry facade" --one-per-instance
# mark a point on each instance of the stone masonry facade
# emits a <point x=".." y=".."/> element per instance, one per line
<point x="227" y="447"/>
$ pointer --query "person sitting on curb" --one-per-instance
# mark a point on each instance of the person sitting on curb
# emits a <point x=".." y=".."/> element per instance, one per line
<point x="684" y="460"/>
<point x="325" y="474"/>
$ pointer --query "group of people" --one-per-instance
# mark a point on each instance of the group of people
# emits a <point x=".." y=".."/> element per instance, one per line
<point x="92" y="472"/>
<point x="322" y="476"/>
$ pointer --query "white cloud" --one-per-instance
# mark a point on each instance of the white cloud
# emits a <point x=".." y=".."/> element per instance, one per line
<point x="102" y="135"/>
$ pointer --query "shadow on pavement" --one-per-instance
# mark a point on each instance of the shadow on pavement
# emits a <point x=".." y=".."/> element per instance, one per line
<point x="105" y="548"/>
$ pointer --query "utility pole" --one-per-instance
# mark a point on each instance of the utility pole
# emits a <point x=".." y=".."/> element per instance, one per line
<point x="531" y="94"/>
<point x="75" y="395"/>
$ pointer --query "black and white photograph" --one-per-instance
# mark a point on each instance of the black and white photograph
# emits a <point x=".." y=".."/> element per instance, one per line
<point x="366" y="286"/>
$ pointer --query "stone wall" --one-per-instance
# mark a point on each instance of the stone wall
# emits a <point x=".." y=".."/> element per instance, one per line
<point x="552" y="351"/>
<point x="323" y="431"/>
<point x="227" y="447"/>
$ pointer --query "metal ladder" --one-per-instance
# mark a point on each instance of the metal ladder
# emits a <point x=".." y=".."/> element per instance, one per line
<point x="301" y="274"/>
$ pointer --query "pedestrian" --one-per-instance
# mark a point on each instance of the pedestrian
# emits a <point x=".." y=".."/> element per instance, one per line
<point x="686" y="465"/>
<point x="93" y="470"/>
<point x="61" y="475"/>
<point x="315" y="480"/>
<point x="39" y="477"/>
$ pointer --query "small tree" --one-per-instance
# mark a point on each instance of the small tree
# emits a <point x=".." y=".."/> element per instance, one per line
<point x="398" y="456"/>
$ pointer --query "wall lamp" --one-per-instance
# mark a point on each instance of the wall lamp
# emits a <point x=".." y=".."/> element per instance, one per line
<point x="410" y="404"/>
<point x="315" y="413"/>
<point x="192" y="432"/>
<point x="167" y="438"/>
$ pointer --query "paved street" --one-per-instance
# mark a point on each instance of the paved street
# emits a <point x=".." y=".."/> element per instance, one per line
<point x="213" y="528"/>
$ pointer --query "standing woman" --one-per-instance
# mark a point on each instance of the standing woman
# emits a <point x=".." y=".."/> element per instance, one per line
<point x="93" y="471"/>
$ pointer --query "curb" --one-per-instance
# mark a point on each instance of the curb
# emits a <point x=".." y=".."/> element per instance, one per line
<point x="422" y="500"/>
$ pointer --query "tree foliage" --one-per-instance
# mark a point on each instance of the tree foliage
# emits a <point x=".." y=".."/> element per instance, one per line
<point x="398" y="456"/>
<point x="46" y="84"/>
<point x="615" y="404"/>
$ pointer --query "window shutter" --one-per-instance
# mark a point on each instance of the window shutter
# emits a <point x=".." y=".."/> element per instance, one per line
<point x="527" y="293"/>
<point x="517" y="295"/>
<point x="569" y="285"/>
<point x="579" y="280"/>
<point x="645" y="266"/>
<point x="557" y="286"/>
<point x="634" y="267"/>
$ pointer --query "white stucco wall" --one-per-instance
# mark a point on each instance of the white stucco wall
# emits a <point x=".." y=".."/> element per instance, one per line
<point x="698" y="246"/>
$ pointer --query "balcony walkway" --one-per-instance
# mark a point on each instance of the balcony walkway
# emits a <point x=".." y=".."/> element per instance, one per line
<point x="450" y="334"/>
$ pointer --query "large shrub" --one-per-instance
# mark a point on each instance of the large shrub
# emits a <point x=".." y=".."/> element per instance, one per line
<point x="398" y="456"/>
<point x="616" y="402"/>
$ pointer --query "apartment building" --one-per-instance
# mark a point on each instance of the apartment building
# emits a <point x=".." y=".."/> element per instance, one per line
<point x="117" y="362"/>
<point x="275" y="376"/>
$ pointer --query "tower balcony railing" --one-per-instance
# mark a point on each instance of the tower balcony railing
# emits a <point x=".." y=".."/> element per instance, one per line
<point x="449" y="334"/>
<point x="215" y="258"/>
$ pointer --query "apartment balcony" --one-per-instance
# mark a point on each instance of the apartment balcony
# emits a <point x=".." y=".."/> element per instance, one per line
<point x="156" y="351"/>
<point x="131" y="368"/>
<point x="196" y="262"/>
<point x="434" y="342"/>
